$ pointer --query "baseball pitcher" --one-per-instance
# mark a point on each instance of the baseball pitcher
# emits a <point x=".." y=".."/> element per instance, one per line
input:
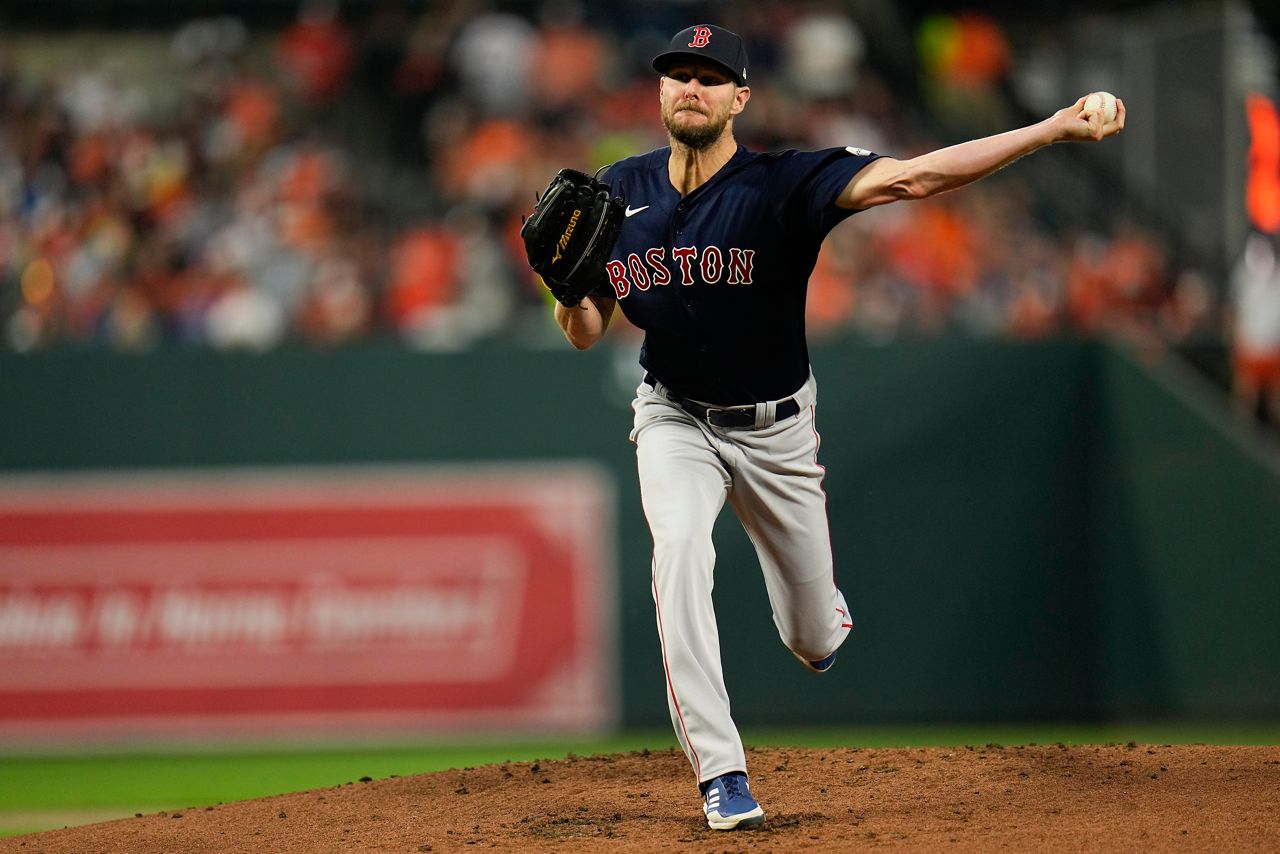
<point x="708" y="247"/>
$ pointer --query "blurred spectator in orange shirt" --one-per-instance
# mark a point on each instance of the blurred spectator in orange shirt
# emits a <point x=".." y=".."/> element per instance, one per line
<point x="568" y="66"/>
<point x="316" y="52"/>
<point x="1255" y="322"/>
<point x="965" y="57"/>
<point x="933" y="249"/>
<point x="251" y="113"/>
<point x="832" y="294"/>
<point x="338" y="306"/>
<point x="423" y="277"/>
<point x="484" y="165"/>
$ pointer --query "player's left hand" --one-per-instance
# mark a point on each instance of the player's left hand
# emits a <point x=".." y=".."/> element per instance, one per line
<point x="570" y="234"/>
<point x="1076" y="123"/>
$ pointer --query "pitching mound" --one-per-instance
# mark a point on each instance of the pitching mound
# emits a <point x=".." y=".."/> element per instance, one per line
<point x="1107" y="798"/>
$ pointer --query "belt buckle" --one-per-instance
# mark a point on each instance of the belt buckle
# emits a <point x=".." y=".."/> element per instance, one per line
<point x="730" y="413"/>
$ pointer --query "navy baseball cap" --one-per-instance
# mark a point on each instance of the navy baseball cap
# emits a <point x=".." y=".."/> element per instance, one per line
<point x="707" y="42"/>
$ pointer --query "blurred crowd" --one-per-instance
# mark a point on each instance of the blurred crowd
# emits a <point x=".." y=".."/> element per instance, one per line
<point x="335" y="179"/>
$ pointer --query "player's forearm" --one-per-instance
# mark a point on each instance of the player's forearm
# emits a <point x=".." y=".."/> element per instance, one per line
<point x="585" y="324"/>
<point x="1090" y="118"/>
<point x="889" y="180"/>
<point x="958" y="165"/>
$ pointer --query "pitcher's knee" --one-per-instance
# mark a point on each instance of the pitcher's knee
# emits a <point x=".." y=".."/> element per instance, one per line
<point x="809" y="652"/>
<point x="809" y="648"/>
<point x="812" y="642"/>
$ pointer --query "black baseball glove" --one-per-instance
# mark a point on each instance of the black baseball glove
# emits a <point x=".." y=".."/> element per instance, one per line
<point x="570" y="234"/>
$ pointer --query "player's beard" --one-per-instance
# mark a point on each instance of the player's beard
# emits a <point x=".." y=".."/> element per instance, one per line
<point x="696" y="137"/>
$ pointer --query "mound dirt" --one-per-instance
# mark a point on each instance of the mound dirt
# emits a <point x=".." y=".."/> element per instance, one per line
<point x="1096" y="798"/>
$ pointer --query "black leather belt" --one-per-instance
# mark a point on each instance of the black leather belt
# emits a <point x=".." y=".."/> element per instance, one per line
<point x="728" y="416"/>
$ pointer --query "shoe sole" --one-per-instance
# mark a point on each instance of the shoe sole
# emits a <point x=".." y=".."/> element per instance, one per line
<point x="733" y="822"/>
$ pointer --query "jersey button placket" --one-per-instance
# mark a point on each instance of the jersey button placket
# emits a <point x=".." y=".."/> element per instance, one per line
<point x="677" y="229"/>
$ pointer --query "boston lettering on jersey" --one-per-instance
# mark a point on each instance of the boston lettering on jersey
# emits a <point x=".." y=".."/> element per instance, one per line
<point x="710" y="262"/>
<point x="717" y="278"/>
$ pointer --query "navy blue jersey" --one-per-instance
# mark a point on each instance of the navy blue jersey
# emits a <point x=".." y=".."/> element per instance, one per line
<point x="717" y="280"/>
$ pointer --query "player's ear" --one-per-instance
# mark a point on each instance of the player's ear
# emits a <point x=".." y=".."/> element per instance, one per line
<point x="741" y="95"/>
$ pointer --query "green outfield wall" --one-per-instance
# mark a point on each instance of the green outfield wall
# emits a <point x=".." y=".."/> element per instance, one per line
<point x="1023" y="531"/>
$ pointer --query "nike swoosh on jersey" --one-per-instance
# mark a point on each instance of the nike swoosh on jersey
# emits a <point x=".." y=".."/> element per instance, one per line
<point x="633" y="211"/>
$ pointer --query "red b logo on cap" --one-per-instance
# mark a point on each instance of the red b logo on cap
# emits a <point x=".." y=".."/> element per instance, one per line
<point x="701" y="37"/>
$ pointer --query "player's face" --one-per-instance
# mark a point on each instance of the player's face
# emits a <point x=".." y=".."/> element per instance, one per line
<point x="698" y="101"/>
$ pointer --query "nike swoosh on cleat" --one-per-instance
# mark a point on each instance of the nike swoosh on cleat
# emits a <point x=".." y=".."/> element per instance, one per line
<point x="633" y="211"/>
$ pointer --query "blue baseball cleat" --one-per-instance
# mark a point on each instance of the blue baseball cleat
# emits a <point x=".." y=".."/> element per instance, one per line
<point x="728" y="803"/>
<point x="822" y="665"/>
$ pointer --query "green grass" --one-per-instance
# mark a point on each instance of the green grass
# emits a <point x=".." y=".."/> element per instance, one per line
<point x="206" y="776"/>
<point x="38" y="791"/>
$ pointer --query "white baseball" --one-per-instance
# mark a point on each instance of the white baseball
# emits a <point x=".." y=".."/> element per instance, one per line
<point x="1104" y="101"/>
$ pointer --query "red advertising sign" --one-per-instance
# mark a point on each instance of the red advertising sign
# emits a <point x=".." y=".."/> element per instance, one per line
<point x="301" y="602"/>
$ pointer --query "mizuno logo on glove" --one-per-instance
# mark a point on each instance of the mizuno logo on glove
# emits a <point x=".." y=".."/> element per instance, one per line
<point x="563" y="243"/>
